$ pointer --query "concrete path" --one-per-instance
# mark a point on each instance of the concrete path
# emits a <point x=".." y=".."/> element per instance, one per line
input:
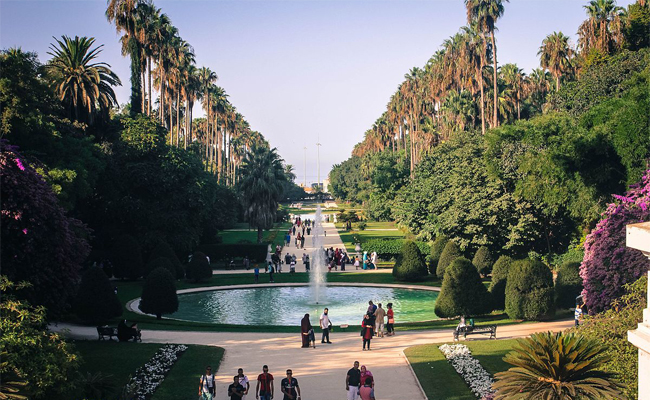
<point x="320" y="371"/>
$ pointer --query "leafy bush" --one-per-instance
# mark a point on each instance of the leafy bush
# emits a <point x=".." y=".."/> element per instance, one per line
<point x="529" y="290"/>
<point x="410" y="265"/>
<point x="199" y="268"/>
<point x="483" y="261"/>
<point x="568" y="285"/>
<point x="436" y="251"/>
<point x="499" y="279"/>
<point x="159" y="293"/>
<point x="388" y="249"/>
<point x="126" y="257"/>
<point x="224" y="252"/>
<point x="160" y="262"/>
<point x="96" y="300"/>
<point x="164" y="250"/>
<point x="362" y="225"/>
<point x="462" y="291"/>
<point x="449" y="254"/>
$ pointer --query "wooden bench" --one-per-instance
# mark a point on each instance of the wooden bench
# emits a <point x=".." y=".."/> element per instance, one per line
<point x="106" y="331"/>
<point x="476" y="330"/>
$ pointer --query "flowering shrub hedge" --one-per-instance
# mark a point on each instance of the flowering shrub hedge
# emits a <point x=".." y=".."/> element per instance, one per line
<point x="469" y="368"/>
<point x="148" y="377"/>
<point x="608" y="264"/>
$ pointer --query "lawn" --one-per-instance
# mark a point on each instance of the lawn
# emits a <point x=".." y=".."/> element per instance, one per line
<point x="274" y="236"/>
<point x="439" y="379"/>
<point x="183" y="379"/>
<point x="374" y="230"/>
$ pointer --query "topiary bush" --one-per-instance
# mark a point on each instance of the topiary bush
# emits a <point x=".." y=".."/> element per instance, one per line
<point x="568" y="285"/>
<point x="449" y="254"/>
<point x="96" y="301"/>
<point x="160" y="262"/>
<point x="410" y="265"/>
<point x="462" y="291"/>
<point x="498" y="283"/>
<point x="159" y="293"/>
<point x="483" y="261"/>
<point x="126" y="257"/>
<point x="199" y="268"/>
<point x="436" y="251"/>
<point x="164" y="250"/>
<point x="529" y="290"/>
<point x="388" y="249"/>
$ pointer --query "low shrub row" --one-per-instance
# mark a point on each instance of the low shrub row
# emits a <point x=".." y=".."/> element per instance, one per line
<point x="388" y="249"/>
<point x="224" y="252"/>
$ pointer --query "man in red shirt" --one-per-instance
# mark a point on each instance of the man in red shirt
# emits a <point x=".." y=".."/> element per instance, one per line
<point x="264" y="389"/>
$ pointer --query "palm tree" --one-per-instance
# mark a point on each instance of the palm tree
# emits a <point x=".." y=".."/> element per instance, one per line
<point x="486" y="13"/>
<point x="475" y="52"/>
<point x="207" y="78"/>
<point x="260" y="187"/>
<point x="161" y="33"/>
<point x="603" y="29"/>
<point x="81" y="85"/>
<point x="537" y="86"/>
<point x="514" y="79"/>
<point x="146" y="16"/>
<point x="555" y="55"/>
<point x="556" y="366"/>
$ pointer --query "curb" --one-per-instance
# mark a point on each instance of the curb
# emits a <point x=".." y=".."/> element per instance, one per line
<point x="424" y="395"/>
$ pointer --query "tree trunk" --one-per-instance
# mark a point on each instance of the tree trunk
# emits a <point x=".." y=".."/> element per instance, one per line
<point x="495" y="84"/>
<point x="144" y="89"/>
<point x="162" y="91"/>
<point x="480" y="79"/>
<point x="136" y="89"/>
<point x="219" y="162"/>
<point x="171" y="121"/>
<point x="150" y="93"/>
<point x="557" y="82"/>
<point x="178" y="115"/>
<point x="259" y="235"/>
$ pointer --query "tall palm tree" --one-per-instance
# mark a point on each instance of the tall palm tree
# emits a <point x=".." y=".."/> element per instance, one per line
<point x="514" y="79"/>
<point x="555" y="55"/>
<point x="562" y="366"/>
<point x="161" y="32"/>
<point x="80" y="84"/>
<point x="603" y="29"/>
<point x="260" y="187"/>
<point x="537" y="86"/>
<point x="146" y="16"/>
<point x="476" y="53"/>
<point x="207" y="78"/>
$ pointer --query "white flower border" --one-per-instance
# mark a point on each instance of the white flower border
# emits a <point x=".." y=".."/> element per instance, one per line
<point x="469" y="368"/>
<point x="148" y="377"/>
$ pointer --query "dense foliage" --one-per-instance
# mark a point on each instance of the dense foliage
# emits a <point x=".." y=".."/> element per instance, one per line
<point x="159" y="293"/>
<point x="410" y="265"/>
<point x="126" y="258"/>
<point x="437" y="247"/>
<point x="199" y="269"/>
<point x="483" y="261"/>
<point x="529" y="290"/>
<point x="164" y="250"/>
<point x="224" y="252"/>
<point x="499" y="280"/>
<point x="96" y="301"/>
<point x="160" y="262"/>
<point x="388" y="249"/>
<point x="568" y="285"/>
<point x="462" y="292"/>
<point x="448" y="255"/>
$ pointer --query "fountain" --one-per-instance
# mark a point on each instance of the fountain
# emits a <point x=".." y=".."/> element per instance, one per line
<point x="317" y="277"/>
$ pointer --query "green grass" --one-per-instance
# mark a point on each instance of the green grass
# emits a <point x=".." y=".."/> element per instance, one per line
<point x="274" y="236"/>
<point x="348" y="237"/>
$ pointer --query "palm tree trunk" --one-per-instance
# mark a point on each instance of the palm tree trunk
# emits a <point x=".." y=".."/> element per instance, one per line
<point x="162" y="91"/>
<point x="171" y="121"/>
<point x="150" y="93"/>
<point x="495" y="83"/>
<point x="557" y="82"/>
<point x="178" y="115"/>
<point x="259" y="234"/>
<point x="480" y="82"/>
<point x="144" y="88"/>
<point x="187" y="127"/>
<point x="219" y="162"/>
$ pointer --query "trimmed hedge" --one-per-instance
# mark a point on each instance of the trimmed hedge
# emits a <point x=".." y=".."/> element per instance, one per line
<point x="256" y="252"/>
<point x="483" y="261"/>
<point x="388" y="249"/>
<point x="165" y="250"/>
<point x="449" y="254"/>
<point x="126" y="258"/>
<point x="568" y="285"/>
<point x="159" y="293"/>
<point x="436" y="251"/>
<point x="96" y="301"/>
<point x="160" y="262"/>
<point x="499" y="279"/>
<point x="529" y="290"/>
<point x="462" y="292"/>
<point x="410" y="265"/>
<point x="199" y="268"/>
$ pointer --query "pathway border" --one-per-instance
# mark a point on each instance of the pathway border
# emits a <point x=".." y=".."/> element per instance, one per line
<point x="415" y="376"/>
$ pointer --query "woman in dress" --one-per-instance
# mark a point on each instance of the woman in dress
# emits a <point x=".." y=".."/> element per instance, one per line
<point x="390" y="329"/>
<point x="307" y="332"/>
<point x="367" y="331"/>
<point x="365" y="373"/>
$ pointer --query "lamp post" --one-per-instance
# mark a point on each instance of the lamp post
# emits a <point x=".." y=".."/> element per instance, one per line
<point x="305" y="183"/>
<point x="318" y="159"/>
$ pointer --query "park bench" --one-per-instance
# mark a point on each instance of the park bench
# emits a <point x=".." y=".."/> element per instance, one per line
<point x="106" y="331"/>
<point x="476" y="330"/>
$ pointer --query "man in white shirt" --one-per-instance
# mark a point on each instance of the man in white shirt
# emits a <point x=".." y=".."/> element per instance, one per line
<point x="243" y="380"/>
<point x="206" y="385"/>
<point x="325" y="325"/>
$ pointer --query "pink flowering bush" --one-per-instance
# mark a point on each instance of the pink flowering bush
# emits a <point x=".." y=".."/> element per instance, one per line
<point x="608" y="264"/>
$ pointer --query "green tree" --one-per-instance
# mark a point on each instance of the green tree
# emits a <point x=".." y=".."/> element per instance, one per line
<point x="96" y="301"/>
<point x="164" y="250"/>
<point x="159" y="294"/>
<point x="462" y="292"/>
<point x="160" y="262"/>
<point x="437" y="248"/>
<point x="410" y="265"/>
<point x="448" y="255"/>
<point x="602" y="31"/>
<point x="556" y="366"/>
<point x="637" y="25"/>
<point x="199" y="268"/>
<point x="499" y="280"/>
<point x="529" y="290"/>
<point x="568" y="284"/>
<point x="483" y="261"/>
<point x="126" y="257"/>
<point x="555" y="55"/>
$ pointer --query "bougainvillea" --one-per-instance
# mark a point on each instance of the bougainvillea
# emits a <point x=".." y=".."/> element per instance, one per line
<point x="608" y="264"/>
<point x="40" y="244"/>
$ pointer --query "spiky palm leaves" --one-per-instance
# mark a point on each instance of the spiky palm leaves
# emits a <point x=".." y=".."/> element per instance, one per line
<point x="603" y="30"/>
<point x="555" y="55"/>
<point x="556" y="366"/>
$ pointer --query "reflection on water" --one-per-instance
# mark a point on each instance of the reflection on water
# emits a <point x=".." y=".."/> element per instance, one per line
<point x="287" y="305"/>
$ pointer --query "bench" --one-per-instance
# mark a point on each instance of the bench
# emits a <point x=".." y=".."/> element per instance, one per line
<point x="106" y="331"/>
<point x="476" y="330"/>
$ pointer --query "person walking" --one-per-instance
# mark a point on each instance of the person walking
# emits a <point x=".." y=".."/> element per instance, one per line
<point x="271" y="272"/>
<point x="235" y="390"/>
<point x="302" y="242"/>
<point x="307" y="263"/>
<point x="247" y="263"/>
<point x="353" y="381"/>
<point x="356" y="262"/>
<point x="390" y="330"/>
<point x="577" y="315"/>
<point x="257" y="273"/>
<point x="294" y="230"/>
<point x="380" y="314"/>
<point x="325" y="325"/>
<point x="307" y="332"/>
<point x="243" y="381"/>
<point x="207" y="388"/>
<point x="289" y="386"/>
<point x="366" y="331"/>
<point x="292" y="267"/>
<point x="367" y="391"/>
<point x="264" y="389"/>
<point x="287" y="239"/>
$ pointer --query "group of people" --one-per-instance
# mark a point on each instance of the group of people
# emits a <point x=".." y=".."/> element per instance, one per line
<point x="240" y="386"/>
<point x="307" y="331"/>
<point x="373" y="322"/>
<point x="337" y="258"/>
<point x="302" y="228"/>
<point x="359" y="383"/>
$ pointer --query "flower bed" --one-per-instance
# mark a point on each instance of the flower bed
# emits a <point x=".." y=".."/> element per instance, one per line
<point x="469" y="368"/>
<point x="148" y="377"/>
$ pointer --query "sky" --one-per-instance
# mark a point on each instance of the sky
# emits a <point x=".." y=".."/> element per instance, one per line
<point x="300" y="71"/>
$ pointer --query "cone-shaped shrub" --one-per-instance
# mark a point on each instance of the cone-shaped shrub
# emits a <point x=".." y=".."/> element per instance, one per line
<point x="164" y="250"/>
<point x="568" y="285"/>
<point x="126" y="257"/>
<point x="160" y="262"/>
<point x="159" y="293"/>
<point x="96" y="302"/>
<point x="529" y="290"/>
<point x="462" y="292"/>
<point x="483" y="261"/>
<point x="498" y="283"/>
<point x="436" y="251"/>
<point x="199" y="268"/>
<point x="410" y="265"/>
<point x="449" y="254"/>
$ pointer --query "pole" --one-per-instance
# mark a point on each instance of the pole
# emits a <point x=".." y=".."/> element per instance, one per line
<point x="305" y="183"/>
<point x="318" y="160"/>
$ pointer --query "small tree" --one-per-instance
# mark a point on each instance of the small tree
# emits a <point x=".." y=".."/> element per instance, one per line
<point x="127" y="258"/>
<point x="96" y="300"/>
<point x="499" y="279"/>
<point x="436" y="251"/>
<point x="462" y="291"/>
<point x="483" y="261"/>
<point x="160" y="262"/>
<point x="449" y="254"/>
<point x="164" y="250"/>
<point x="159" y="294"/>
<point x="199" y="268"/>
<point x="568" y="284"/>
<point x="529" y="290"/>
<point x="410" y="265"/>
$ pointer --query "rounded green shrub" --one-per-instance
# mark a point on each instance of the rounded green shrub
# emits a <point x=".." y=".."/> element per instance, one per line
<point x="160" y="262"/>
<point x="529" y="290"/>
<point x="499" y="279"/>
<point x="449" y="254"/>
<point x="159" y="293"/>
<point x="126" y="258"/>
<point x="199" y="268"/>
<point x="462" y="291"/>
<point x="568" y="285"/>
<point x="436" y="251"/>
<point x="483" y="261"/>
<point x="96" y="301"/>
<point x="164" y="250"/>
<point x="410" y="265"/>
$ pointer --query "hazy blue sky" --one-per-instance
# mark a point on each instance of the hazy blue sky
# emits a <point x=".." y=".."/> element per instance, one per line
<point x="297" y="69"/>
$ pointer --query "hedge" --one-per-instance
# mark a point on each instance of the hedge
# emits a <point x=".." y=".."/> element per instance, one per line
<point x="163" y="249"/>
<point x="96" y="301"/>
<point x="436" y="251"/>
<point x="483" y="261"/>
<point x="126" y="257"/>
<point x="568" y="285"/>
<point x="499" y="279"/>
<point x="462" y="292"/>
<point x="199" y="269"/>
<point x="159" y="293"/>
<point x="529" y="290"/>
<point x="388" y="249"/>
<point x="224" y="252"/>
<point x="410" y="265"/>
<point x="449" y="254"/>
